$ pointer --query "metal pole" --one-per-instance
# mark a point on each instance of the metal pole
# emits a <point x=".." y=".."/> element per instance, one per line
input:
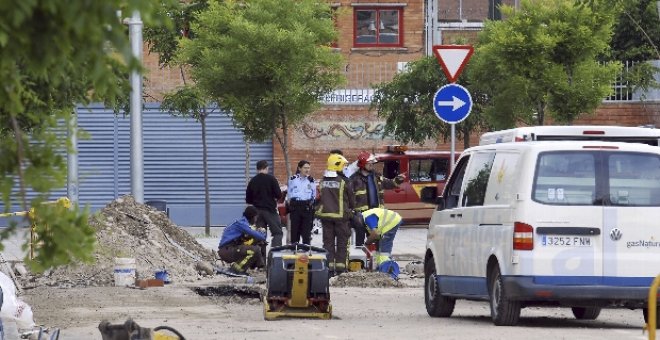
<point x="453" y="147"/>
<point x="137" y="172"/>
<point x="72" y="159"/>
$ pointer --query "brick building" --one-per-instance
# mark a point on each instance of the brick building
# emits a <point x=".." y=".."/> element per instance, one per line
<point x="377" y="38"/>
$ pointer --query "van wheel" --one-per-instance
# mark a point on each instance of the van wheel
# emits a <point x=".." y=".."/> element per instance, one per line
<point x="586" y="313"/>
<point x="645" y="312"/>
<point x="436" y="304"/>
<point x="503" y="311"/>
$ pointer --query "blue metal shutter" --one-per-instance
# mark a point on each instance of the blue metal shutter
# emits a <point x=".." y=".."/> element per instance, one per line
<point x="172" y="163"/>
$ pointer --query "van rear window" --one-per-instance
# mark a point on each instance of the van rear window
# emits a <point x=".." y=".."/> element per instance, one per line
<point x="597" y="178"/>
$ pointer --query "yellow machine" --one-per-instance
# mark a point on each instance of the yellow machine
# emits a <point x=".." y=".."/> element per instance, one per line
<point x="297" y="283"/>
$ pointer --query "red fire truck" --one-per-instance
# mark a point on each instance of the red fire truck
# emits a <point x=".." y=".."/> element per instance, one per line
<point x="423" y="169"/>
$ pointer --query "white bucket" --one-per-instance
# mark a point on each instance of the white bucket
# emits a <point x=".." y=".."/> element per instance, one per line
<point x="124" y="271"/>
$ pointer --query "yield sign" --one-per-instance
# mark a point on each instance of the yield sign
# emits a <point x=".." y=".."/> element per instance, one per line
<point x="453" y="59"/>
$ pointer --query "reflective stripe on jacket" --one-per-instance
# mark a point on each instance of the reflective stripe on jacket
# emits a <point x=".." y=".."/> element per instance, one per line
<point x="384" y="219"/>
<point x="359" y="185"/>
<point x="336" y="201"/>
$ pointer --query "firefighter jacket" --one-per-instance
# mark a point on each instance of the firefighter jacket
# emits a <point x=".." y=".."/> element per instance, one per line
<point x="381" y="220"/>
<point x="337" y="201"/>
<point x="360" y="186"/>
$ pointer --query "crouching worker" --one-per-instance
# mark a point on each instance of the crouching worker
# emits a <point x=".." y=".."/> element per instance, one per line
<point x="382" y="225"/>
<point x="243" y="246"/>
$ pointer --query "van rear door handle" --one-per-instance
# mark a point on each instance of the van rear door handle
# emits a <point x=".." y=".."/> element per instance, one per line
<point x="456" y="215"/>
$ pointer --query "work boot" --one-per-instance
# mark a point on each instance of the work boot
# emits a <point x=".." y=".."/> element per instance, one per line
<point x="236" y="271"/>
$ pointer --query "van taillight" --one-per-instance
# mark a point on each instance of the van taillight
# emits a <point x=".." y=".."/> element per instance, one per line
<point x="523" y="236"/>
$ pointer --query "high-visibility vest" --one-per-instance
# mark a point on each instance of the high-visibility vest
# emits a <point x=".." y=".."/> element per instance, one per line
<point x="387" y="219"/>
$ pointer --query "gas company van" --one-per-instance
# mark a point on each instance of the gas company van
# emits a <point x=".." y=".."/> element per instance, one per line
<point x="554" y="223"/>
<point x="644" y="135"/>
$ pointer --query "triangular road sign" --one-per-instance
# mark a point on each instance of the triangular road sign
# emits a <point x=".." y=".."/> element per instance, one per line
<point x="453" y="59"/>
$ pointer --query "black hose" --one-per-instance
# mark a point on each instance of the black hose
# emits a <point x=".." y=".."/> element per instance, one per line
<point x="168" y="328"/>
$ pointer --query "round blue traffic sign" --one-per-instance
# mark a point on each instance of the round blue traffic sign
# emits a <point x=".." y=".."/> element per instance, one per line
<point x="452" y="103"/>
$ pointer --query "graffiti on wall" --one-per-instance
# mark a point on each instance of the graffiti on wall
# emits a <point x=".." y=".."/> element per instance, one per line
<point x="343" y="130"/>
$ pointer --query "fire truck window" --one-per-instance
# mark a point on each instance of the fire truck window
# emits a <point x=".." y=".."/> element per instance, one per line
<point x="428" y="170"/>
<point x="439" y="169"/>
<point x="389" y="169"/>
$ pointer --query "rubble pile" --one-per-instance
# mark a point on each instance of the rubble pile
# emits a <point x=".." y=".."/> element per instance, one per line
<point x="127" y="229"/>
<point x="365" y="280"/>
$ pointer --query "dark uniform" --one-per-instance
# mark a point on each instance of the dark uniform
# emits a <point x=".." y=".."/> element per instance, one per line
<point x="301" y="192"/>
<point x="368" y="192"/>
<point x="335" y="210"/>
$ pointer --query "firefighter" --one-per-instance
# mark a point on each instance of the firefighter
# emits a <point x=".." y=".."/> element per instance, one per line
<point x="335" y="209"/>
<point x="242" y="245"/>
<point x="382" y="225"/>
<point x="368" y="186"/>
<point x="300" y="198"/>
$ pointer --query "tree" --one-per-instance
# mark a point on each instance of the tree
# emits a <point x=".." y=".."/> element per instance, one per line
<point x="267" y="62"/>
<point x="54" y="55"/>
<point x="407" y="104"/>
<point x="189" y="100"/>
<point x="543" y="61"/>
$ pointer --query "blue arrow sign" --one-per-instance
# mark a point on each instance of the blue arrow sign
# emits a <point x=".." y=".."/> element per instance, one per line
<point x="452" y="103"/>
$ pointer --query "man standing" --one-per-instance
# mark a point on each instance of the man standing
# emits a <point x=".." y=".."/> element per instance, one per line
<point x="368" y="187"/>
<point x="335" y="209"/>
<point x="301" y="196"/>
<point x="262" y="192"/>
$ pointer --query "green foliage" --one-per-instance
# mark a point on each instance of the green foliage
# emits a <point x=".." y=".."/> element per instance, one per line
<point x="407" y="104"/>
<point x="187" y="101"/>
<point x="544" y="60"/>
<point x="53" y="55"/>
<point x="164" y="40"/>
<point x="267" y="62"/>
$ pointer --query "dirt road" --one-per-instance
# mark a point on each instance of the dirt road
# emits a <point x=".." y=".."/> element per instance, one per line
<point x="359" y="313"/>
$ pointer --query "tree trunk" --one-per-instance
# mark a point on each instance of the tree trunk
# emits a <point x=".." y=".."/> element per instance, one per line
<point x="247" y="161"/>
<point x="205" y="165"/>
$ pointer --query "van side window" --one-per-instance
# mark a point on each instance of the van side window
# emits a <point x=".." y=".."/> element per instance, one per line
<point x="453" y="189"/>
<point x="634" y="179"/>
<point x="427" y="170"/>
<point x="477" y="179"/>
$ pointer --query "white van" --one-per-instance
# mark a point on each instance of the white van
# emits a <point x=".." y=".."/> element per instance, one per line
<point x="629" y="134"/>
<point x="562" y="223"/>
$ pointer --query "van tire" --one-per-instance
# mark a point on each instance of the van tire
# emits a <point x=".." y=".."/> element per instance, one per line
<point x="586" y="313"/>
<point x="503" y="311"/>
<point x="437" y="306"/>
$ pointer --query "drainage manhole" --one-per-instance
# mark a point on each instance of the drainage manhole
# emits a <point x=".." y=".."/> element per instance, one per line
<point x="231" y="293"/>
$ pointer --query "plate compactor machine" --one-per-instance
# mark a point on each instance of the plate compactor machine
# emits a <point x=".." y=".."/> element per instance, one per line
<point x="297" y="283"/>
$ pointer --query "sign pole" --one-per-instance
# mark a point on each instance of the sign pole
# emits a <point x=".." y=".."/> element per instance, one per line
<point x="453" y="147"/>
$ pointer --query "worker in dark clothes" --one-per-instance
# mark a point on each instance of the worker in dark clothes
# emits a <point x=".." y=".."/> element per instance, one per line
<point x="368" y="186"/>
<point x="243" y="246"/>
<point x="301" y="196"/>
<point x="263" y="191"/>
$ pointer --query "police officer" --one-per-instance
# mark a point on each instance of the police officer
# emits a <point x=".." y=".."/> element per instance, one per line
<point x="301" y="195"/>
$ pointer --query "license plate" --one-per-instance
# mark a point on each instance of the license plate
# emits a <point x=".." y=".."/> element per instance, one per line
<point x="566" y="241"/>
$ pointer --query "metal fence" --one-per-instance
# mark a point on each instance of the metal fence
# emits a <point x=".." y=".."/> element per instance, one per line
<point x="363" y="77"/>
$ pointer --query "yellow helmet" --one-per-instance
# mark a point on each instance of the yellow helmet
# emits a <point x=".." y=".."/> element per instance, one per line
<point x="336" y="162"/>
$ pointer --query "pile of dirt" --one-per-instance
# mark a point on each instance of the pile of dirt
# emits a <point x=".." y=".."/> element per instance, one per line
<point x="127" y="229"/>
<point x="365" y="280"/>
